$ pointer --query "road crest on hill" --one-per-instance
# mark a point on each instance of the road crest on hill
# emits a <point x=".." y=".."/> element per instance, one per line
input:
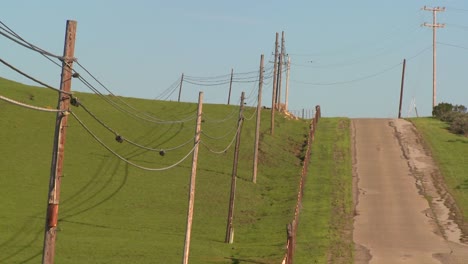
<point x="394" y="222"/>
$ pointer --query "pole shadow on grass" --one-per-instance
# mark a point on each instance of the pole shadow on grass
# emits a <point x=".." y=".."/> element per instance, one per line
<point x="17" y="238"/>
<point x="238" y="261"/>
<point x="99" y="191"/>
<point x="32" y="225"/>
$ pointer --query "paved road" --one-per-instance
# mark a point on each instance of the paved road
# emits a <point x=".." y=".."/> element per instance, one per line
<point x="393" y="222"/>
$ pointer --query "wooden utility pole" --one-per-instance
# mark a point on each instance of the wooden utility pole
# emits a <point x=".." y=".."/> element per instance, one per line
<point x="280" y="73"/>
<point x="56" y="170"/>
<point x="229" y="228"/>
<point x="180" y="87"/>
<point x="230" y="87"/>
<point x="193" y="176"/>
<point x="402" y="85"/>
<point x="273" y="96"/>
<point x="257" y="128"/>
<point x="434" y="27"/>
<point x="287" y="85"/>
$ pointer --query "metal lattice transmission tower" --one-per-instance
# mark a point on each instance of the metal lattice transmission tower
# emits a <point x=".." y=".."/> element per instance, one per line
<point x="434" y="27"/>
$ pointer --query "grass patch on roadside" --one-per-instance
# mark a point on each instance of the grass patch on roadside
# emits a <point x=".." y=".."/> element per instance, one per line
<point x="450" y="152"/>
<point x="325" y="222"/>
<point x="111" y="212"/>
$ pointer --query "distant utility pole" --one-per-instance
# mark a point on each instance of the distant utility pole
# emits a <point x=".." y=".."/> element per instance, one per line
<point x="56" y="170"/>
<point x="229" y="228"/>
<point x="180" y="87"/>
<point x="434" y="27"/>
<point x="188" y="230"/>
<point x="273" y="96"/>
<point x="257" y="129"/>
<point x="287" y="84"/>
<point x="402" y="86"/>
<point x="280" y="72"/>
<point x="230" y="87"/>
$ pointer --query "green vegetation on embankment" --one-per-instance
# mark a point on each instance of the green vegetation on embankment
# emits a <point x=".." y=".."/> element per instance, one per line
<point x="112" y="212"/>
<point x="326" y="219"/>
<point x="450" y="152"/>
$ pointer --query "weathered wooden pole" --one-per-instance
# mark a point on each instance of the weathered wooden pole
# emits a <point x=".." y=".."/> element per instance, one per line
<point x="193" y="176"/>
<point x="56" y="170"/>
<point x="180" y="87"/>
<point x="230" y="87"/>
<point x="279" y="80"/>
<point x="402" y="85"/>
<point x="273" y="96"/>
<point x="229" y="228"/>
<point x="286" y="98"/>
<point x="257" y="128"/>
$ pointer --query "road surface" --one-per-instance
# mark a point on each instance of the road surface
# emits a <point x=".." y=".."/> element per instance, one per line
<point x="394" y="223"/>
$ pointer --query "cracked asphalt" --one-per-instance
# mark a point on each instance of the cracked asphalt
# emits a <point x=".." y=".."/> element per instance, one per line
<point x="394" y="221"/>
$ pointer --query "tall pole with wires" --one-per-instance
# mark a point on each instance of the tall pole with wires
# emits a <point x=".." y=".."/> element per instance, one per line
<point x="280" y="73"/>
<point x="188" y="230"/>
<point x="232" y="197"/>
<point x="56" y="171"/>
<point x="230" y="87"/>
<point x="257" y="128"/>
<point x="434" y="27"/>
<point x="287" y="84"/>
<point x="273" y="96"/>
<point x="180" y="87"/>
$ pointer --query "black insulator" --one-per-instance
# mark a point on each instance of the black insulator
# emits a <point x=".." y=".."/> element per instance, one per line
<point x="75" y="102"/>
<point x="119" y="139"/>
<point x="75" y="75"/>
<point x="162" y="152"/>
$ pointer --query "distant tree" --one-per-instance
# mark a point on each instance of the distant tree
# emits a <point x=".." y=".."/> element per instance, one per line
<point x="459" y="109"/>
<point x="455" y="115"/>
<point x="442" y="109"/>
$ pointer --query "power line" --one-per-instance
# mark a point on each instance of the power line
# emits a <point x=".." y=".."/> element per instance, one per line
<point x="364" y="77"/>
<point x="29" y="106"/>
<point x="456" y="9"/>
<point x="32" y="78"/>
<point x="350" y="62"/>
<point x="226" y="118"/>
<point x="126" y="160"/>
<point x="136" y="116"/>
<point x="220" y="137"/>
<point x="120" y="137"/>
<point x="252" y="116"/>
<point x="152" y="119"/>
<point x="350" y="81"/>
<point x="169" y="91"/>
<point x="452" y="45"/>
<point x="207" y="84"/>
<point x="228" y="146"/>
<point x="13" y="36"/>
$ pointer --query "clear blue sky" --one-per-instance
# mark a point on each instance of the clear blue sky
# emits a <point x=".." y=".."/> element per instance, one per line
<point x="345" y="54"/>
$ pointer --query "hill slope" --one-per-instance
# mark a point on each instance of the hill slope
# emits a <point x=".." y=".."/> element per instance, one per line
<point x="112" y="212"/>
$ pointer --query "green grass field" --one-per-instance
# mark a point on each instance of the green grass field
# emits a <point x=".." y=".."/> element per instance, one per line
<point x="112" y="212"/>
<point x="450" y="151"/>
<point x="325" y="223"/>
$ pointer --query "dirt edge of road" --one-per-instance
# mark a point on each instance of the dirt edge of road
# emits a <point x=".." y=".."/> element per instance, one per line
<point x="431" y="185"/>
<point x="361" y="253"/>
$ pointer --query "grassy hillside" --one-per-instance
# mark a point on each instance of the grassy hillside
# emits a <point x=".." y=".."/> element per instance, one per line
<point x="112" y="212"/>
<point x="451" y="154"/>
<point x="325" y="223"/>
